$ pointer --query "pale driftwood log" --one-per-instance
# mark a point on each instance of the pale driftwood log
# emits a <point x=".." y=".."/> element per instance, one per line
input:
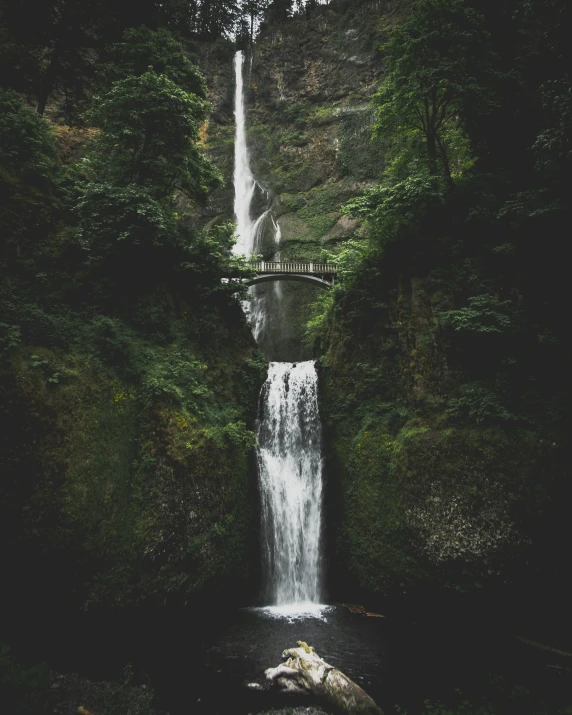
<point x="305" y="673"/>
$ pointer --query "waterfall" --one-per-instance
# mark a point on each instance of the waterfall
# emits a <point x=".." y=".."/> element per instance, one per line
<point x="290" y="472"/>
<point x="289" y="434"/>
<point x="244" y="183"/>
<point x="247" y="230"/>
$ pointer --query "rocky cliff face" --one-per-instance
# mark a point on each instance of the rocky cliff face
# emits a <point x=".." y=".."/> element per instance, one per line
<point x="309" y="124"/>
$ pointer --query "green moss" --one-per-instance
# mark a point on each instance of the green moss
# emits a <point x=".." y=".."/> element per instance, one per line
<point x="421" y="499"/>
<point x="373" y="540"/>
<point x="141" y="464"/>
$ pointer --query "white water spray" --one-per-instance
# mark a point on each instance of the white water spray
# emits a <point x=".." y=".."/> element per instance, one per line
<point x="290" y="471"/>
<point x="244" y="183"/>
<point x="248" y="231"/>
<point x="289" y="435"/>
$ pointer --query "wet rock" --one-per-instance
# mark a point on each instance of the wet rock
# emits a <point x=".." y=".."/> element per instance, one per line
<point x="305" y="673"/>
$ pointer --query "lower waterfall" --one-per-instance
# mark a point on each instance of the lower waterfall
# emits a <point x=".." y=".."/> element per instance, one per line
<point x="290" y="473"/>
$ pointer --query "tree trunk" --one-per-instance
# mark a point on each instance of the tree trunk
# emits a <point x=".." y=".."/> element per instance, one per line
<point x="47" y="85"/>
<point x="446" y="165"/>
<point x="431" y="144"/>
<point x="143" y="172"/>
<point x="305" y="673"/>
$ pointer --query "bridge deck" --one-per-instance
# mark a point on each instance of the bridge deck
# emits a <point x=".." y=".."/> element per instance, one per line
<point x="310" y="268"/>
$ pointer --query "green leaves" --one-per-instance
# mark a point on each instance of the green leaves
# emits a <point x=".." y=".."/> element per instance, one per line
<point x="27" y="143"/>
<point x="27" y="172"/>
<point x="149" y="131"/>
<point x="484" y="314"/>
<point x="178" y="380"/>
<point x="391" y="209"/>
<point x="157" y="50"/>
<point x="145" y="157"/>
<point x="479" y="405"/>
<point x="110" y="215"/>
<point x="432" y="73"/>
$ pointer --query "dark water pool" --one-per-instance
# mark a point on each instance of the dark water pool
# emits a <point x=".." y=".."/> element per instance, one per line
<point x="201" y="660"/>
<point x="255" y="641"/>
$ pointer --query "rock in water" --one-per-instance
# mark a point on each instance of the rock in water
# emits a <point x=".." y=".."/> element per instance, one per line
<point x="305" y="673"/>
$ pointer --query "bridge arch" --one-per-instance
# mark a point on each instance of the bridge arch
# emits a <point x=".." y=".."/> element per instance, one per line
<point x="301" y="277"/>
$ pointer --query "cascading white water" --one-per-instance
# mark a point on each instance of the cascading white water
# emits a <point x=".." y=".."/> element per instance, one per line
<point x="244" y="183"/>
<point x="290" y="472"/>
<point x="248" y="231"/>
<point x="289" y="435"/>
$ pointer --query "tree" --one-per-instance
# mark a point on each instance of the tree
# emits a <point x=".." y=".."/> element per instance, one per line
<point x="217" y="17"/>
<point x="27" y="170"/>
<point x="254" y="9"/>
<point x="431" y="76"/>
<point x="150" y="127"/>
<point x="143" y="49"/>
<point x="52" y="43"/>
<point x="136" y="180"/>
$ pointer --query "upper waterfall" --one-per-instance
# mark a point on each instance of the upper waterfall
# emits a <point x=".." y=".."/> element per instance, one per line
<point x="244" y="183"/>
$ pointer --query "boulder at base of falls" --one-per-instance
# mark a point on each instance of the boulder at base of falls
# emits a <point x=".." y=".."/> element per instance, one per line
<point x="305" y="673"/>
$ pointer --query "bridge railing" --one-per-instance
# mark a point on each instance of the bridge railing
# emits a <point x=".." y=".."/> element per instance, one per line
<point x="293" y="267"/>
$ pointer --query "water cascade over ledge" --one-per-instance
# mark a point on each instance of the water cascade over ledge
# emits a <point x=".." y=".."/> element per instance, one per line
<point x="244" y="183"/>
<point x="249" y="230"/>
<point x="290" y="473"/>
<point x="289" y="432"/>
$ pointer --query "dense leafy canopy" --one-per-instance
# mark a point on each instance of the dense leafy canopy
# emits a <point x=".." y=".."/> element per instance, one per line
<point x="149" y="131"/>
<point x="434" y="61"/>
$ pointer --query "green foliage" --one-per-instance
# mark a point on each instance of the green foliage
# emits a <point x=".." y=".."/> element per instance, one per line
<point x="22" y="688"/>
<point x="27" y="171"/>
<point x="177" y="380"/>
<point x="149" y="132"/>
<point x="239" y="436"/>
<point x="49" y="48"/>
<point x="143" y="50"/>
<point x="399" y="209"/>
<point x="317" y="327"/>
<point x="125" y="358"/>
<point x="13" y="674"/>
<point x="432" y="76"/>
<point x="10" y="336"/>
<point x="447" y="312"/>
<point x="27" y="142"/>
<point x="110" y="216"/>
<point x="477" y="404"/>
<point x="483" y="314"/>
